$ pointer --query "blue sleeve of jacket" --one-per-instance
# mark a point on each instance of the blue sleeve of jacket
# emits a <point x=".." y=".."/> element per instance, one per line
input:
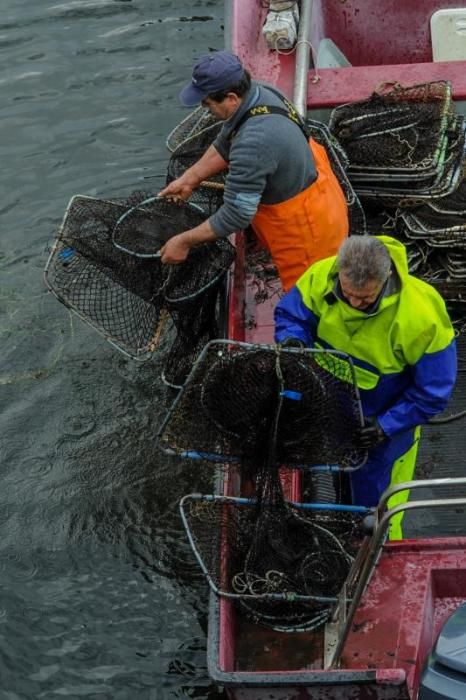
<point x="433" y="380"/>
<point x="293" y="319"/>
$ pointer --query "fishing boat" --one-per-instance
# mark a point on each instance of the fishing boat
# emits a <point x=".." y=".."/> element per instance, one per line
<point x="401" y="634"/>
<point x="396" y="628"/>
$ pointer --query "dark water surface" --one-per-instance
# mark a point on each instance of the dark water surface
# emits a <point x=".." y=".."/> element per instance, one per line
<point x="99" y="594"/>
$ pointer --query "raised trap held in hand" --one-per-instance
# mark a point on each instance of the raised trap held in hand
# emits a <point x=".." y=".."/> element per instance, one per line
<point x="105" y="267"/>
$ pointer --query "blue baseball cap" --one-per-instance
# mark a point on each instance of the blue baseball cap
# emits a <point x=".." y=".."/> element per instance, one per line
<point x="212" y="73"/>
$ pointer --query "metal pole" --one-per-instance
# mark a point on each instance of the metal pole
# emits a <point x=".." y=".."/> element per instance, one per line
<point x="302" y="58"/>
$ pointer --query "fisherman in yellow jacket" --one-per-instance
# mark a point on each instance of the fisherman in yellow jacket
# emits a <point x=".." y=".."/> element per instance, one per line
<point x="398" y="333"/>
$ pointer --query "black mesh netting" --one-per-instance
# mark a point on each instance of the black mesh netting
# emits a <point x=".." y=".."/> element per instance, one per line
<point x="404" y="144"/>
<point x="144" y="228"/>
<point x="190" y="150"/>
<point x="188" y="142"/>
<point x="193" y="314"/>
<point x="284" y="564"/>
<point x="127" y="297"/>
<point x="401" y="130"/>
<point x="196" y="122"/>
<point x="227" y="405"/>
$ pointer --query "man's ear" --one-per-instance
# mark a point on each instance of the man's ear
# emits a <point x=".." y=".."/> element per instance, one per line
<point x="234" y="97"/>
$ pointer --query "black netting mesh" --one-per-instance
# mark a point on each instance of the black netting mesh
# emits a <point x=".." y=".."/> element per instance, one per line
<point x="195" y="123"/>
<point x="143" y="229"/>
<point x="127" y="297"/>
<point x="116" y="293"/>
<point x="189" y="151"/>
<point x="208" y="198"/>
<point x="228" y="404"/>
<point x="188" y="142"/>
<point x="401" y="130"/>
<point x="402" y="145"/>
<point x="193" y="314"/>
<point x="282" y="563"/>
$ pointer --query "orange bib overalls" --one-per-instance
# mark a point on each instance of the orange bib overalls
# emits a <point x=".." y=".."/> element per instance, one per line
<point x="306" y="228"/>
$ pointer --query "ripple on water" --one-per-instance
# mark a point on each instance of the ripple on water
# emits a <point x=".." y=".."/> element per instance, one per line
<point x="90" y="8"/>
<point x="39" y="466"/>
<point x="17" y="566"/>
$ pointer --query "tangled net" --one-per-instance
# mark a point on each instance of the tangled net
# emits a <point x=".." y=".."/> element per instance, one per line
<point x="127" y="296"/>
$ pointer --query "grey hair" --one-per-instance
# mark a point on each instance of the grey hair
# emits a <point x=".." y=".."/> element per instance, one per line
<point x="364" y="259"/>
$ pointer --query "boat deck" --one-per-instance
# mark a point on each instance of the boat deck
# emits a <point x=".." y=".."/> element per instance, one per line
<point x="410" y="597"/>
<point x="399" y="49"/>
<point x="253" y="662"/>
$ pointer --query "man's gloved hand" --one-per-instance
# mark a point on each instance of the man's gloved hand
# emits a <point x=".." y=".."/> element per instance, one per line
<point x="371" y="434"/>
<point x="292" y="343"/>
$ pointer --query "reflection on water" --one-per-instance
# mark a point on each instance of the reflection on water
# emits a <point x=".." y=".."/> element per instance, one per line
<point x="99" y="593"/>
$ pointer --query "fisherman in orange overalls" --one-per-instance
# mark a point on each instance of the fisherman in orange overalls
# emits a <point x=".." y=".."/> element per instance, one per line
<point x="280" y="184"/>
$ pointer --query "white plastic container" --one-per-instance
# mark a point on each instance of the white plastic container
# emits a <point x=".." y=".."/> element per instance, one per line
<point x="448" y="33"/>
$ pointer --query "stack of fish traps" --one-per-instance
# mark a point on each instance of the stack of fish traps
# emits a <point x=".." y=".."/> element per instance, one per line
<point x="407" y="164"/>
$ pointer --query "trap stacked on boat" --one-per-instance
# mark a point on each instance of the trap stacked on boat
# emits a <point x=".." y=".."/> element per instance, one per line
<point x="267" y="408"/>
<point x="436" y="229"/>
<point x="105" y="266"/>
<point x="407" y="143"/>
<point x="406" y="151"/>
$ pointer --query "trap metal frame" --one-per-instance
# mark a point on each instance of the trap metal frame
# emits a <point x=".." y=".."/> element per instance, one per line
<point x="278" y="597"/>
<point x="65" y="269"/>
<point x="184" y="437"/>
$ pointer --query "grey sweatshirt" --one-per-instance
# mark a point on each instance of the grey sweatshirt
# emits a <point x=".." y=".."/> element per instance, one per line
<point x="269" y="162"/>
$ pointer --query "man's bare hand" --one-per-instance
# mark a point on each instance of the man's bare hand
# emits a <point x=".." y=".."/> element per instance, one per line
<point x="178" y="189"/>
<point x="176" y="250"/>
